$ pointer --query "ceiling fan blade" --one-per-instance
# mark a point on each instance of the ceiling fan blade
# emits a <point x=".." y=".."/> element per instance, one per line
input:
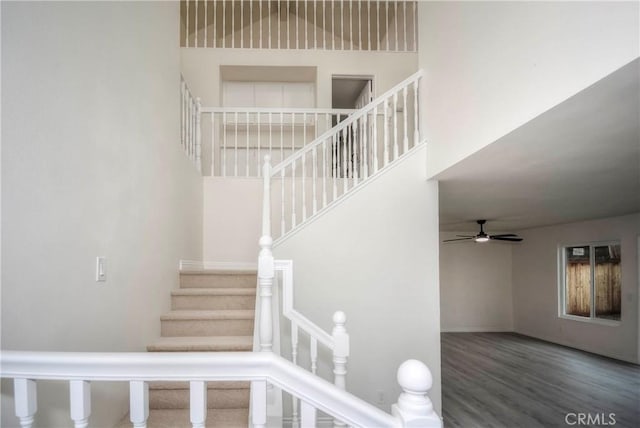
<point x="507" y="238"/>
<point x="458" y="239"/>
<point x="466" y="236"/>
<point x="502" y="235"/>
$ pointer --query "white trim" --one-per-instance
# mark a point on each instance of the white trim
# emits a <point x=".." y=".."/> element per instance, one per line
<point x="196" y="366"/>
<point x="197" y="265"/>
<point x="477" y="330"/>
<point x="591" y="320"/>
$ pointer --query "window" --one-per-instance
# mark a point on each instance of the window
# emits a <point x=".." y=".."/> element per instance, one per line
<point x="591" y="281"/>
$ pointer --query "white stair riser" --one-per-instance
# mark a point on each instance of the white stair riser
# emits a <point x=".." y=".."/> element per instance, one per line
<point x="216" y="398"/>
<point x="209" y="302"/>
<point x="224" y="327"/>
<point x="218" y="280"/>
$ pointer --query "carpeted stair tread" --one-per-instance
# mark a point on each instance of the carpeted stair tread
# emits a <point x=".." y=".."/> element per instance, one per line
<point x="220" y="314"/>
<point x="214" y="292"/>
<point x="179" y="418"/>
<point x="202" y="344"/>
<point x="219" y="279"/>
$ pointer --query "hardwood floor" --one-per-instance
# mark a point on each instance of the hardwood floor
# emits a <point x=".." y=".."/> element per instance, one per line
<point x="510" y="380"/>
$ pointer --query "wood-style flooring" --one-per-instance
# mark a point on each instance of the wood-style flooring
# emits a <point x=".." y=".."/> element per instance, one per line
<point x="510" y="380"/>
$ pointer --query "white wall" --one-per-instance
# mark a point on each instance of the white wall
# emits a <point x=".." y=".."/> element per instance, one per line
<point x="493" y="66"/>
<point x="91" y="166"/>
<point x="375" y="256"/>
<point x="475" y="286"/>
<point x="201" y="68"/>
<point x="535" y="287"/>
<point x="232" y="219"/>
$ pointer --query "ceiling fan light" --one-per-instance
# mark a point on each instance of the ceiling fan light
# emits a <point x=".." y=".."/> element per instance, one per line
<point x="482" y="238"/>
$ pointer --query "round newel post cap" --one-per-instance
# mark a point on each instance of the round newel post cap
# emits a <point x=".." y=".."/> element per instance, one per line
<point x="265" y="241"/>
<point x="339" y="318"/>
<point x="414" y="376"/>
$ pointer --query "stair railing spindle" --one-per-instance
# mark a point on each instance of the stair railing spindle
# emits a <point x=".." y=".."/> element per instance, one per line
<point x="26" y="401"/>
<point x="394" y="112"/>
<point x="405" y="142"/>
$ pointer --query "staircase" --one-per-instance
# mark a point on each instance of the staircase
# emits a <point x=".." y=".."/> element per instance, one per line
<point x="212" y="311"/>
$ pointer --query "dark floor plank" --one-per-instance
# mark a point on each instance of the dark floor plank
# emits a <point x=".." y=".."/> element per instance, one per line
<point x="509" y="380"/>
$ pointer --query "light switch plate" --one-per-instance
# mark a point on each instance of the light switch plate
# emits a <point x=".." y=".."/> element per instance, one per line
<point x="101" y="269"/>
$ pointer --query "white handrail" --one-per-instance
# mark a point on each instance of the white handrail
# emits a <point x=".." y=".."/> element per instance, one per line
<point x="278" y="110"/>
<point x="373" y="105"/>
<point x="259" y="367"/>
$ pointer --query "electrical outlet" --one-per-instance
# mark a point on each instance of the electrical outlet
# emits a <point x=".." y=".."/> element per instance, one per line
<point x="101" y="269"/>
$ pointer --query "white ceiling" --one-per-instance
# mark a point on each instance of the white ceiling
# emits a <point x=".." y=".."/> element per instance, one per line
<point x="579" y="160"/>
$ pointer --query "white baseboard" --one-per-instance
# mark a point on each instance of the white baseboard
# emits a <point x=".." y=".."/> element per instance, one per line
<point x="197" y="265"/>
<point x="321" y="421"/>
<point x="476" y="330"/>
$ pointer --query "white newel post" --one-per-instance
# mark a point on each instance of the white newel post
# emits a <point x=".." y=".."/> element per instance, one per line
<point x="265" y="263"/>
<point x="198" y="136"/>
<point x="414" y="408"/>
<point x="340" y="354"/>
<point x="26" y="401"/>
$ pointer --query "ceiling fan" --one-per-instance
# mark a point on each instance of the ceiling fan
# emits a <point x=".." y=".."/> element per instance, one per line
<point x="483" y="237"/>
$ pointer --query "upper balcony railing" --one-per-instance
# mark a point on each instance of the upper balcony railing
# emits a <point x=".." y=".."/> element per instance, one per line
<point x="353" y="25"/>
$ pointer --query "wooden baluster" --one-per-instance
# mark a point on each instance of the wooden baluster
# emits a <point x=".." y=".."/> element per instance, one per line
<point x="187" y="26"/>
<point x="233" y="23"/>
<point x="139" y="403"/>
<point x="297" y="29"/>
<point x="333" y="26"/>
<point x="307" y="415"/>
<point x="365" y="136"/>
<point x="198" y="403"/>
<point x="314" y="203"/>
<point x="281" y="136"/>
<point x="395" y="25"/>
<point x="259" y="142"/>
<point x="355" y="155"/>
<point x="213" y="144"/>
<point x="414" y="408"/>
<point x="415" y="26"/>
<point x="404" y="28"/>
<point x="342" y="23"/>
<point x="306" y="30"/>
<point x="334" y="164"/>
<point x="259" y="404"/>
<point x="369" y="25"/>
<point x="266" y="264"/>
<point x="195" y="32"/>
<point x="294" y="360"/>
<point x="351" y="35"/>
<point x="288" y="28"/>
<point x="315" y="25"/>
<point x="26" y="401"/>
<point x="386" y="133"/>
<point x="235" y="144"/>
<point x="388" y="25"/>
<point x="182" y="114"/>
<point x="282" y="213"/>
<point x="246" y="144"/>
<point x="416" y="118"/>
<point x="80" y="402"/>
<point x="304" y="187"/>
<point x="224" y="143"/>
<point x="324" y="173"/>
<point x="215" y="18"/>
<point x="293" y="194"/>
<point x="224" y="24"/>
<point x="251" y="24"/>
<point x="395" y="125"/>
<point x="378" y="32"/>
<point x="405" y="142"/>
<point x="269" y="15"/>
<point x="271" y="135"/>
<point x="206" y="19"/>
<point x="344" y="161"/>
<point x="359" y="25"/>
<point x="261" y="38"/>
<point x="313" y="351"/>
<point x="242" y="23"/>
<point x="374" y="137"/>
